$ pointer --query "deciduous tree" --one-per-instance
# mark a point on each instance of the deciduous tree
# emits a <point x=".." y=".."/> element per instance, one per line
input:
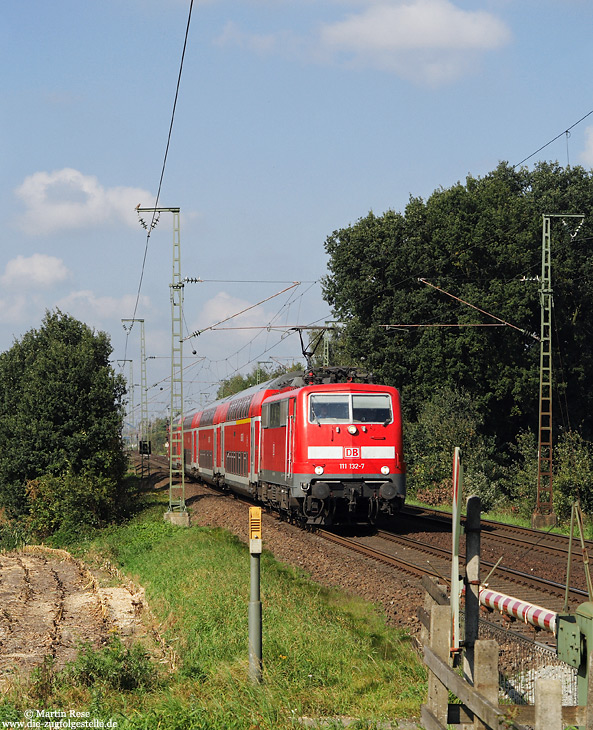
<point x="480" y="241"/>
<point x="60" y="408"/>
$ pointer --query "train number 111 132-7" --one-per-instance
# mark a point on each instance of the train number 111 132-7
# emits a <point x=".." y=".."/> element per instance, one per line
<point x="355" y="466"/>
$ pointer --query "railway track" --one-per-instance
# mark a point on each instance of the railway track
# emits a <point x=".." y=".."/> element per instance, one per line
<point x="521" y="536"/>
<point x="523" y="549"/>
<point x="419" y="556"/>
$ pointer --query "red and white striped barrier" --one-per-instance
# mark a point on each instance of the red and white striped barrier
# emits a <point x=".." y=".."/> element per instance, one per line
<point x="529" y="613"/>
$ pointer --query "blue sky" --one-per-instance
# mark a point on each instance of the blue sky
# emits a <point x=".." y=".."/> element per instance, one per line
<point x="294" y="118"/>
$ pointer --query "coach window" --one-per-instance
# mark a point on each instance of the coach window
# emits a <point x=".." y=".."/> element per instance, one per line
<point x="275" y="414"/>
<point x="265" y="416"/>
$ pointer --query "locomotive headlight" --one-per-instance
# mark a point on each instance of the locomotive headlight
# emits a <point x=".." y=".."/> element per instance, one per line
<point x="384" y="470"/>
<point x="318" y="470"/>
<point x="352" y="430"/>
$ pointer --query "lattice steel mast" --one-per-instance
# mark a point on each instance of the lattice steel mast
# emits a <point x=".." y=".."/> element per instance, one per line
<point x="176" y="473"/>
<point x="131" y="429"/>
<point x="144" y="440"/>
<point x="544" y="509"/>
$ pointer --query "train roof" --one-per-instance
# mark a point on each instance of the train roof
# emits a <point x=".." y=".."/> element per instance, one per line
<point x="243" y="401"/>
<point x="287" y="380"/>
<point x="292" y="379"/>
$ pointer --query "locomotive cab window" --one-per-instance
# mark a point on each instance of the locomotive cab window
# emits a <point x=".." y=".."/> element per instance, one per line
<point x="371" y="409"/>
<point x="350" y="408"/>
<point x="329" y="408"/>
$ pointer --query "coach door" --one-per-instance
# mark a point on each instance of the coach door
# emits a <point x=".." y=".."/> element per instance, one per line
<point x="290" y="421"/>
<point x="252" y="450"/>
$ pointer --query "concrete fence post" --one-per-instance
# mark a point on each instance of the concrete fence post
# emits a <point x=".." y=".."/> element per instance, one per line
<point x="548" y="704"/>
<point x="438" y="695"/>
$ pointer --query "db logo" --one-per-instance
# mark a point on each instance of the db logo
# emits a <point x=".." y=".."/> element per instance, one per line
<point x="352" y="453"/>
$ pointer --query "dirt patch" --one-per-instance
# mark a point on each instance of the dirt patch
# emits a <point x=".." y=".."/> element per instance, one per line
<point x="49" y="604"/>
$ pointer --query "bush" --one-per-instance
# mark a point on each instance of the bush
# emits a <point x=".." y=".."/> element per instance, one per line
<point x="519" y="481"/>
<point x="71" y="503"/>
<point x="449" y="419"/>
<point x="14" y="534"/>
<point x="573" y="480"/>
<point x="60" y="397"/>
<point x="114" y="666"/>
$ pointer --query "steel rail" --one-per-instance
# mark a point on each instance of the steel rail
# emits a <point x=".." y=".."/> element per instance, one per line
<point x="509" y="574"/>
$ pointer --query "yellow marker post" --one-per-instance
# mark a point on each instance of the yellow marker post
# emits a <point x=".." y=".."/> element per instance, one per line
<point x="255" y="613"/>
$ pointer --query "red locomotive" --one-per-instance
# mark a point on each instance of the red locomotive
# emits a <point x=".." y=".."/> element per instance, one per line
<point x="322" y="453"/>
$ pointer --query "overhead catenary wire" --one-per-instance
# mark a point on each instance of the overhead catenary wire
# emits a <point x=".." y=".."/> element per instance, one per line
<point x="543" y="147"/>
<point x="279" y="327"/>
<point x="163" y="167"/>
<point x="252" y="306"/>
<point x="467" y="324"/>
<point x="207" y="363"/>
<point x="198" y="280"/>
<point x="483" y="311"/>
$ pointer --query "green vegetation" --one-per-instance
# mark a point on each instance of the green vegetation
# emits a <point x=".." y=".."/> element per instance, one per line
<point x="325" y="654"/>
<point x="61" y="453"/>
<point x="159" y="435"/>
<point x="471" y="386"/>
<point x="114" y="667"/>
<point x="259" y="374"/>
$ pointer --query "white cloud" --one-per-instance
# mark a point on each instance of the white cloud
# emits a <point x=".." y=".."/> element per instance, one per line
<point x="67" y="199"/>
<point x="36" y="271"/>
<point x="417" y="24"/>
<point x="85" y="305"/>
<point x="427" y="41"/>
<point x="431" y="41"/>
<point x="586" y="156"/>
<point x="282" y="42"/>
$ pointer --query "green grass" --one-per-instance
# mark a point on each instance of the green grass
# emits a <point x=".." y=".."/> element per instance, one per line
<point x="324" y="654"/>
<point x="509" y="517"/>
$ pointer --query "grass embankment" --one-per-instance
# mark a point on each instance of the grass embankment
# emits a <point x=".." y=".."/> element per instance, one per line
<point x="509" y="517"/>
<point x="325" y="654"/>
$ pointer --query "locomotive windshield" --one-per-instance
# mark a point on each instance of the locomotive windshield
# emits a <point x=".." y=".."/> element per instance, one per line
<point x="350" y="408"/>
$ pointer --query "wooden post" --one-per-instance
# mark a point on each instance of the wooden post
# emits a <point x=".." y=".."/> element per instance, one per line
<point x="435" y="595"/>
<point x="438" y="696"/>
<point x="472" y="583"/>
<point x="548" y="704"/>
<point x="486" y="674"/>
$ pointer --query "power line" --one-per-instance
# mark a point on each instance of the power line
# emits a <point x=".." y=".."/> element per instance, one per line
<point x="198" y="280"/>
<point x="211" y="327"/>
<point x="154" y="220"/>
<point x="543" y="147"/>
<point x="483" y="311"/>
